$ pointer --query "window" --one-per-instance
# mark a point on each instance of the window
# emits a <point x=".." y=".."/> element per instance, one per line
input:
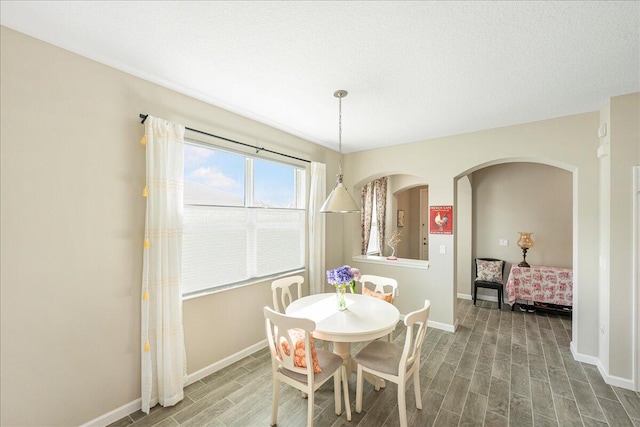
<point x="244" y="218"/>
<point x="374" y="248"/>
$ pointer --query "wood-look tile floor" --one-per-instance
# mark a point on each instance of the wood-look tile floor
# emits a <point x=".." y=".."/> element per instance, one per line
<point x="500" y="368"/>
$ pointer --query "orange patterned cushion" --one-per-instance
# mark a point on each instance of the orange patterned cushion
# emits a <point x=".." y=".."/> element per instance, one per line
<point x="299" y="354"/>
<point x="379" y="295"/>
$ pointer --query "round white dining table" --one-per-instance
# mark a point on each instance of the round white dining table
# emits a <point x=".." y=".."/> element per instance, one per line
<point x="365" y="318"/>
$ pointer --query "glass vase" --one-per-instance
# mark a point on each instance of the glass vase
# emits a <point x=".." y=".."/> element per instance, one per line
<point x="340" y="296"/>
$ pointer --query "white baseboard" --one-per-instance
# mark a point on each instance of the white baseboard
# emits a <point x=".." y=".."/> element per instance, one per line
<point x="115" y="415"/>
<point x="591" y="360"/>
<point x="128" y="408"/>
<point x="482" y="297"/>
<point x="609" y="379"/>
<point x="443" y="326"/>
<point x="215" y="367"/>
<point x="613" y="380"/>
<point x="435" y="325"/>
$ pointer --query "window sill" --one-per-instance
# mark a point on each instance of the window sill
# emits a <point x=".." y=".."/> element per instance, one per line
<point x="400" y="262"/>
<point x="231" y="287"/>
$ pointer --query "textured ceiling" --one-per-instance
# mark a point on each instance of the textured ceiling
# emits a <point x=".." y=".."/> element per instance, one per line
<point x="414" y="70"/>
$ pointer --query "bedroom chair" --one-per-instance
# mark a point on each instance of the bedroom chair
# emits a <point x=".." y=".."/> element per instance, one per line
<point x="286" y="336"/>
<point x="489" y="273"/>
<point x="283" y="287"/>
<point x="396" y="363"/>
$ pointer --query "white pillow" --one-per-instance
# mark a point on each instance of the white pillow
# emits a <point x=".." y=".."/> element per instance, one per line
<point x="489" y="271"/>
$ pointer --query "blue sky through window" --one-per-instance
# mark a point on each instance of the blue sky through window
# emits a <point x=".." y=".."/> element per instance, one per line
<point x="274" y="184"/>
<point x="217" y="169"/>
<point x="219" y="177"/>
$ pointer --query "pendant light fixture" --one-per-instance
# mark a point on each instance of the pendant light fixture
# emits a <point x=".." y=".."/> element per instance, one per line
<point x="339" y="201"/>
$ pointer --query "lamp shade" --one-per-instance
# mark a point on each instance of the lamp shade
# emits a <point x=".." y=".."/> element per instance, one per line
<point x="339" y="201"/>
<point x="525" y="240"/>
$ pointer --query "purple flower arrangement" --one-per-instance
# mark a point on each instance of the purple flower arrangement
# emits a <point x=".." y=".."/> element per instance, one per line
<point x="343" y="276"/>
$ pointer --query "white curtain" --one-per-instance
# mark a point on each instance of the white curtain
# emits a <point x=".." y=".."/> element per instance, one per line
<point x="164" y="367"/>
<point x="317" y="196"/>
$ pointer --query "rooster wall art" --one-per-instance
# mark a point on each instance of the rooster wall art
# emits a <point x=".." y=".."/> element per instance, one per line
<point x="441" y="217"/>
<point x="441" y="221"/>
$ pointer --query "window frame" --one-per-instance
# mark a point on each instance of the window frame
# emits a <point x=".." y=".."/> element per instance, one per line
<point x="299" y="202"/>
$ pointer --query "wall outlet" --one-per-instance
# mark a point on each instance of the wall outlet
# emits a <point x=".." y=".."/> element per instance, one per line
<point x="504" y="242"/>
<point x="443" y="249"/>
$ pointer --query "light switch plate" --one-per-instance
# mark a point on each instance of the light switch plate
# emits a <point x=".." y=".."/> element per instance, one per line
<point x="504" y="242"/>
<point x="443" y="249"/>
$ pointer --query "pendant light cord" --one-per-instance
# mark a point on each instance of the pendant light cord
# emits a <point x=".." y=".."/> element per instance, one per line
<point x="340" y="94"/>
<point x="340" y="136"/>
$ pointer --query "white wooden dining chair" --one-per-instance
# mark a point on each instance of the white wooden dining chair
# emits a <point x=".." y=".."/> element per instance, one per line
<point x="381" y="287"/>
<point x="386" y="286"/>
<point x="396" y="363"/>
<point x="281" y="290"/>
<point x="279" y="329"/>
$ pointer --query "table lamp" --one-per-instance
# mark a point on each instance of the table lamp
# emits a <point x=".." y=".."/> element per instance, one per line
<point x="525" y="243"/>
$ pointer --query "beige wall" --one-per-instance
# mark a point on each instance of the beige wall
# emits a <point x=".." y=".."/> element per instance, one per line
<point x="623" y="122"/>
<point x="514" y="197"/>
<point x="72" y="172"/>
<point x="508" y="198"/>
<point x="463" y="225"/>
<point x="604" y="248"/>
<point x="566" y="142"/>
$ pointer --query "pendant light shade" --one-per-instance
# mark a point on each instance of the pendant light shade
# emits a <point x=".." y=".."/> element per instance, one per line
<point x="339" y="201"/>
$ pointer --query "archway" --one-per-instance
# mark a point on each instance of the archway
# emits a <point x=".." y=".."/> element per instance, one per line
<point x="518" y="197"/>
<point x="403" y="194"/>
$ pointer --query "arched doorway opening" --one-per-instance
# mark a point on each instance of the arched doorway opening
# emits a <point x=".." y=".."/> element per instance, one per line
<point x="495" y="201"/>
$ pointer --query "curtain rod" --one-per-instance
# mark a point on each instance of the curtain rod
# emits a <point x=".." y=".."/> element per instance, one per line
<point x="258" y="149"/>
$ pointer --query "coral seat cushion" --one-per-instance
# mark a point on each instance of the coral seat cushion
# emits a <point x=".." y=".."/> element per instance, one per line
<point x="379" y="295"/>
<point x="300" y="354"/>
